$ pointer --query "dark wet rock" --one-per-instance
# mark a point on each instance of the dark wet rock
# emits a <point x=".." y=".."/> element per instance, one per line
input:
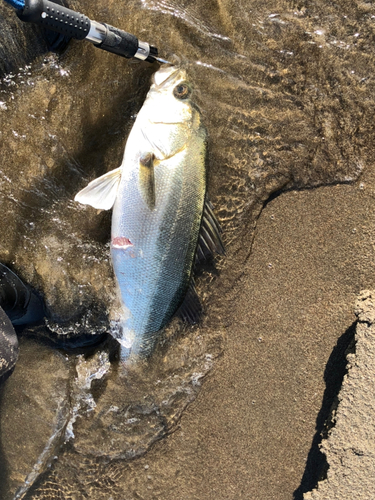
<point x="8" y="346"/>
<point x="34" y="412"/>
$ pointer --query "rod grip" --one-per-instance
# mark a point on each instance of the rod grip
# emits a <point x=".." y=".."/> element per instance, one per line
<point x="56" y="18"/>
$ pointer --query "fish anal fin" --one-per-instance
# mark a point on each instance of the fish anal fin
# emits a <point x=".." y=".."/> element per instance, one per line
<point x="191" y="309"/>
<point x="209" y="241"/>
<point x="101" y="192"/>
<point x="147" y="179"/>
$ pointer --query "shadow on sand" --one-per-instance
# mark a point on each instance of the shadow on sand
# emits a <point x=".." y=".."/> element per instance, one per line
<point x="316" y="464"/>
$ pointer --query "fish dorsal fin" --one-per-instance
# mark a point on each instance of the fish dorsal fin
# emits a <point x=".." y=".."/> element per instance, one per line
<point x="209" y="240"/>
<point x="101" y="192"/>
<point x="191" y="309"/>
<point x="147" y="179"/>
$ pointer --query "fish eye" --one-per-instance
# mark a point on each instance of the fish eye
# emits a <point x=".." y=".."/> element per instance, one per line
<point x="182" y="91"/>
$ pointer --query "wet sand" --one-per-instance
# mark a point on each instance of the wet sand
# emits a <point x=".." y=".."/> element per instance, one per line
<point x="253" y="431"/>
<point x="250" y="432"/>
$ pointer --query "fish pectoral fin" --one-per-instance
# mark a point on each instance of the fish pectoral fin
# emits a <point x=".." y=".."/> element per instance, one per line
<point x="191" y="309"/>
<point x="209" y="241"/>
<point x="101" y="192"/>
<point x="147" y="179"/>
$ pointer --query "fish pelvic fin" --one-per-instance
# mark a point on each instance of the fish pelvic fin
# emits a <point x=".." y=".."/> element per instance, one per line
<point x="147" y="179"/>
<point x="101" y="192"/>
<point x="209" y="241"/>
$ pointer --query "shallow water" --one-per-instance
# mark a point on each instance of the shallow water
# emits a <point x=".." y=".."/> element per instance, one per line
<point x="286" y="92"/>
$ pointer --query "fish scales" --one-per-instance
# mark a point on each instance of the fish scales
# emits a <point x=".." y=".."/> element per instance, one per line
<point x="154" y="273"/>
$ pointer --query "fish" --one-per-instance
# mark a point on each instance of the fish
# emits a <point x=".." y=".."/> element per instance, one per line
<point x="163" y="224"/>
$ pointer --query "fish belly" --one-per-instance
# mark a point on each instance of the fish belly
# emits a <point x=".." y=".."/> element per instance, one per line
<point x="153" y="249"/>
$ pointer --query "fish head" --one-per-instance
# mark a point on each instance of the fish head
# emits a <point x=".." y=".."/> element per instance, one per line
<point x="169" y="99"/>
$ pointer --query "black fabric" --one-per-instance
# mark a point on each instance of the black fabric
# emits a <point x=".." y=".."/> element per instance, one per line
<point x="8" y="345"/>
<point x="21" y="305"/>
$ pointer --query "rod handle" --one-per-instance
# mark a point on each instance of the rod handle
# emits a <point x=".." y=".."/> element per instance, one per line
<point x="56" y="18"/>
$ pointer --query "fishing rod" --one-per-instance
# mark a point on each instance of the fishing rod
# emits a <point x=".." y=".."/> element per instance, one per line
<point x="67" y="22"/>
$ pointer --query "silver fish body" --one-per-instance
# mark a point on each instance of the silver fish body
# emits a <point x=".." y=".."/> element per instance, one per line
<point x="158" y="198"/>
<point x="154" y="241"/>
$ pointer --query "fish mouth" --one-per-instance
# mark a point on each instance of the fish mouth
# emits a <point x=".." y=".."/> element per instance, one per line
<point x="165" y="76"/>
